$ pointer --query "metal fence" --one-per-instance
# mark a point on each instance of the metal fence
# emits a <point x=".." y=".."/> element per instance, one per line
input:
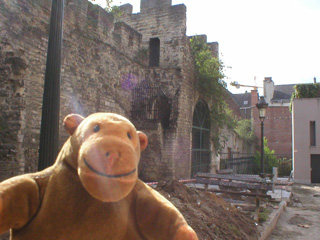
<point x="240" y="163"/>
<point x="243" y="163"/>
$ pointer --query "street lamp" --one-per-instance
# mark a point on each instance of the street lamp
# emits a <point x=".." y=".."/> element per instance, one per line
<point x="262" y="106"/>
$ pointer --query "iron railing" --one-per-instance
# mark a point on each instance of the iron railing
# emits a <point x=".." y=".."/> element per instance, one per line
<point x="243" y="163"/>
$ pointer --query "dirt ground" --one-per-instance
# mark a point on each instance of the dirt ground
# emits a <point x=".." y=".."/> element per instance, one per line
<point x="301" y="220"/>
<point x="209" y="215"/>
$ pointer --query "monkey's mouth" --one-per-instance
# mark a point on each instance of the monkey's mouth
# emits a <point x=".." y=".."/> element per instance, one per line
<point x="107" y="175"/>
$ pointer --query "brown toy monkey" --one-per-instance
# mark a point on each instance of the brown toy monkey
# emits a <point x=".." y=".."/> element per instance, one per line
<point x="92" y="192"/>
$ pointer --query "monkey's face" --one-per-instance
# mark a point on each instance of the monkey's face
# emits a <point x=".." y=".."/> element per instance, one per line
<point x="108" y="155"/>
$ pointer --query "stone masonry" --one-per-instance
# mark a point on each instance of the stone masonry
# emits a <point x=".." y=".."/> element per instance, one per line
<point x="103" y="63"/>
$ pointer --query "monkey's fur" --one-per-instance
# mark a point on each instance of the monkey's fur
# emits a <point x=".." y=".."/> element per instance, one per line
<point x="92" y="192"/>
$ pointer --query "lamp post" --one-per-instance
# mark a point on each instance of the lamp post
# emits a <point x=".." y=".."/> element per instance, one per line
<point x="262" y="106"/>
<point x="49" y="132"/>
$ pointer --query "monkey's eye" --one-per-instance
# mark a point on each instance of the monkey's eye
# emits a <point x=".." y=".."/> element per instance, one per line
<point x="129" y="135"/>
<point x="96" y="128"/>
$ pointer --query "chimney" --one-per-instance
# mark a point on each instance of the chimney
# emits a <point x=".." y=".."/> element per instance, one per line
<point x="254" y="97"/>
<point x="314" y="80"/>
<point x="268" y="89"/>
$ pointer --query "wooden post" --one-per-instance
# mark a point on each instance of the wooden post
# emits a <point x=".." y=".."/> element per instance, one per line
<point x="257" y="211"/>
<point x="274" y="178"/>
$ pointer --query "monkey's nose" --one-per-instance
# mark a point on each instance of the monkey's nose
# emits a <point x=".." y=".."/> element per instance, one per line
<point x="112" y="155"/>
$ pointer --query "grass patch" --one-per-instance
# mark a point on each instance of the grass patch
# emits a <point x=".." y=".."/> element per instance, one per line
<point x="263" y="216"/>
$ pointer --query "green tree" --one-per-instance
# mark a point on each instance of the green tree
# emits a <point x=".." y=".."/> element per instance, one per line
<point x="285" y="167"/>
<point x="209" y="70"/>
<point x="244" y="130"/>
<point x="308" y="90"/>
<point x="270" y="159"/>
<point x="209" y="74"/>
<point x="114" y="10"/>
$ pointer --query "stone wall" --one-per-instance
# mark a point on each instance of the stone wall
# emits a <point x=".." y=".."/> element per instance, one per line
<point x="102" y="64"/>
<point x="189" y="97"/>
<point x="158" y="19"/>
<point x="95" y="72"/>
<point x="22" y="63"/>
<point x="13" y="111"/>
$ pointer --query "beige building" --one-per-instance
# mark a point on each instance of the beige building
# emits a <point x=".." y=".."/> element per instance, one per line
<point x="306" y="140"/>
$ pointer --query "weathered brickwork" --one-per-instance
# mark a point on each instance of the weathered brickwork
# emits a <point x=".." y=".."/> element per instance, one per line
<point x="277" y="129"/>
<point x="12" y="107"/>
<point x="277" y="126"/>
<point x="158" y="19"/>
<point x="102" y="65"/>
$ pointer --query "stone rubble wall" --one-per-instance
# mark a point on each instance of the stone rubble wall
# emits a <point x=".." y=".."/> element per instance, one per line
<point x="166" y="22"/>
<point x="100" y="68"/>
<point x="159" y="19"/>
<point x="102" y="63"/>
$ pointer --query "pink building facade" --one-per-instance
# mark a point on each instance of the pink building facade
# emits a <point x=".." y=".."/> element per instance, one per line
<point x="306" y="140"/>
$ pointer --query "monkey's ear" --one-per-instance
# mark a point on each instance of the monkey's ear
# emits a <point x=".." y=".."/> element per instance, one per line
<point x="71" y="122"/>
<point x="143" y="140"/>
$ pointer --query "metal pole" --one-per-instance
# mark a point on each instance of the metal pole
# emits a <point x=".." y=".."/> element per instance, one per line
<point x="262" y="148"/>
<point x="49" y="133"/>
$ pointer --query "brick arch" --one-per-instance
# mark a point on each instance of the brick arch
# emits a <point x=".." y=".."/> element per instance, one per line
<point x="201" y="154"/>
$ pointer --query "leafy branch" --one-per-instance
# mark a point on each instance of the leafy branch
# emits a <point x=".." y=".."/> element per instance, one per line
<point x="210" y="83"/>
<point x="309" y="90"/>
<point x="114" y="10"/>
<point x="209" y="74"/>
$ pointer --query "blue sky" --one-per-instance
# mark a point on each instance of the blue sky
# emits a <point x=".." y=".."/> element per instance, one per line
<point x="258" y="38"/>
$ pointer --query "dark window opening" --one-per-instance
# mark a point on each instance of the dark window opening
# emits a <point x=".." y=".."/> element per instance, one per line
<point x="315" y="168"/>
<point x="151" y="104"/>
<point x="312" y="133"/>
<point x="154" y="52"/>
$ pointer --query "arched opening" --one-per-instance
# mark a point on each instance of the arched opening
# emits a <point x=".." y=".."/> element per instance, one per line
<point x="151" y="104"/>
<point x="154" y="52"/>
<point x="201" y="154"/>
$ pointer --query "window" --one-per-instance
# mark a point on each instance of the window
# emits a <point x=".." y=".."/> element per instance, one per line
<point x="154" y="52"/>
<point x="201" y="154"/>
<point x="312" y="133"/>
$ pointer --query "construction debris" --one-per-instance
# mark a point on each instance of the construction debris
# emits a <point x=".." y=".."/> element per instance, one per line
<point x="210" y="215"/>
